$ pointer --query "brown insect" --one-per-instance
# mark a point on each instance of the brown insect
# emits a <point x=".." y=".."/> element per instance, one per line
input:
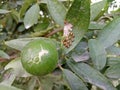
<point x="68" y="35"/>
<point x="67" y="41"/>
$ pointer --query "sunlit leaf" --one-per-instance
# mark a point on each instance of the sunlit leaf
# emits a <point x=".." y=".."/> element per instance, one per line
<point x="25" y="6"/>
<point x="74" y="82"/>
<point x="17" y="43"/>
<point x="110" y="33"/>
<point x="57" y="11"/>
<point x="2" y="11"/>
<point x="31" y="16"/>
<point x="97" y="8"/>
<point x="17" y="67"/>
<point x="21" y="42"/>
<point x="78" y="15"/>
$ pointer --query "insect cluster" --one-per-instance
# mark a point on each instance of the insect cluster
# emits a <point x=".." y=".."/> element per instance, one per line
<point x="67" y="41"/>
<point x="68" y="35"/>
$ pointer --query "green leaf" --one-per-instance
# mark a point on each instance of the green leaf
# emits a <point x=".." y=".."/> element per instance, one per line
<point x="25" y="6"/>
<point x="113" y="50"/>
<point x="80" y="57"/>
<point x="6" y="87"/>
<point x="49" y="82"/>
<point x="17" y="44"/>
<point x="113" y="71"/>
<point x="3" y="36"/>
<point x="110" y="33"/>
<point x="97" y="8"/>
<point x="31" y="16"/>
<point x="97" y="53"/>
<point x="44" y="1"/>
<point x="91" y="75"/>
<point x="78" y="15"/>
<point x="9" y="80"/>
<point x="57" y="11"/>
<point x="2" y="11"/>
<point x="31" y="84"/>
<point x="20" y="43"/>
<point x="97" y="26"/>
<point x="81" y="47"/>
<point x="74" y="82"/>
<point x="4" y="55"/>
<point x="42" y="26"/>
<point x="9" y="22"/>
<point x="21" y="28"/>
<point x="113" y="60"/>
<point x="15" y="15"/>
<point x="17" y="67"/>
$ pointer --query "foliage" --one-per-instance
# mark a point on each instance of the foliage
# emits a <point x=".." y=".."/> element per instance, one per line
<point x="92" y="60"/>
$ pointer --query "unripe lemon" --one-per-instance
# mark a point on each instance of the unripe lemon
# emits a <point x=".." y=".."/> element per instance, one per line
<point x="39" y="57"/>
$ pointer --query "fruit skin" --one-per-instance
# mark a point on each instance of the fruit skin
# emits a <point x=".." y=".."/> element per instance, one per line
<point x="39" y="57"/>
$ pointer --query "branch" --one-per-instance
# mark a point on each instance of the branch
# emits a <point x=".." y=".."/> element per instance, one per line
<point x="53" y="32"/>
<point x="11" y="57"/>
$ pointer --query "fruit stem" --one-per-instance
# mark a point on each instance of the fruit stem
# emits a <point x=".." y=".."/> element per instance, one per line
<point x="38" y="80"/>
<point x="60" y="67"/>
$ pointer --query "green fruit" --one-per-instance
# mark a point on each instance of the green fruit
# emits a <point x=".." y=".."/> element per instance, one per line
<point x="39" y="57"/>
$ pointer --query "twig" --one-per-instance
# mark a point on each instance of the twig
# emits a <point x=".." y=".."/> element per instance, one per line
<point x="11" y="57"/>
<point x="60" y="67"/>
<point x="53" y="32"/>
<point x="38" y="80"/>
<point x="42" y="33"/>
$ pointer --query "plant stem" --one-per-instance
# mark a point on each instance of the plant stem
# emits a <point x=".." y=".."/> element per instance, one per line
<point x="60" y="67"/>
<point x="38" y="80"/>
<point x="53" y="32"/>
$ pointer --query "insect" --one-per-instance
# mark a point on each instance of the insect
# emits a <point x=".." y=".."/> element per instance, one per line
<point x="67" y="41"/>
<point x="68" y="35"/>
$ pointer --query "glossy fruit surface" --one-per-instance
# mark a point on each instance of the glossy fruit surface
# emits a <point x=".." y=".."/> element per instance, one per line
<point x="39" y="57"/>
